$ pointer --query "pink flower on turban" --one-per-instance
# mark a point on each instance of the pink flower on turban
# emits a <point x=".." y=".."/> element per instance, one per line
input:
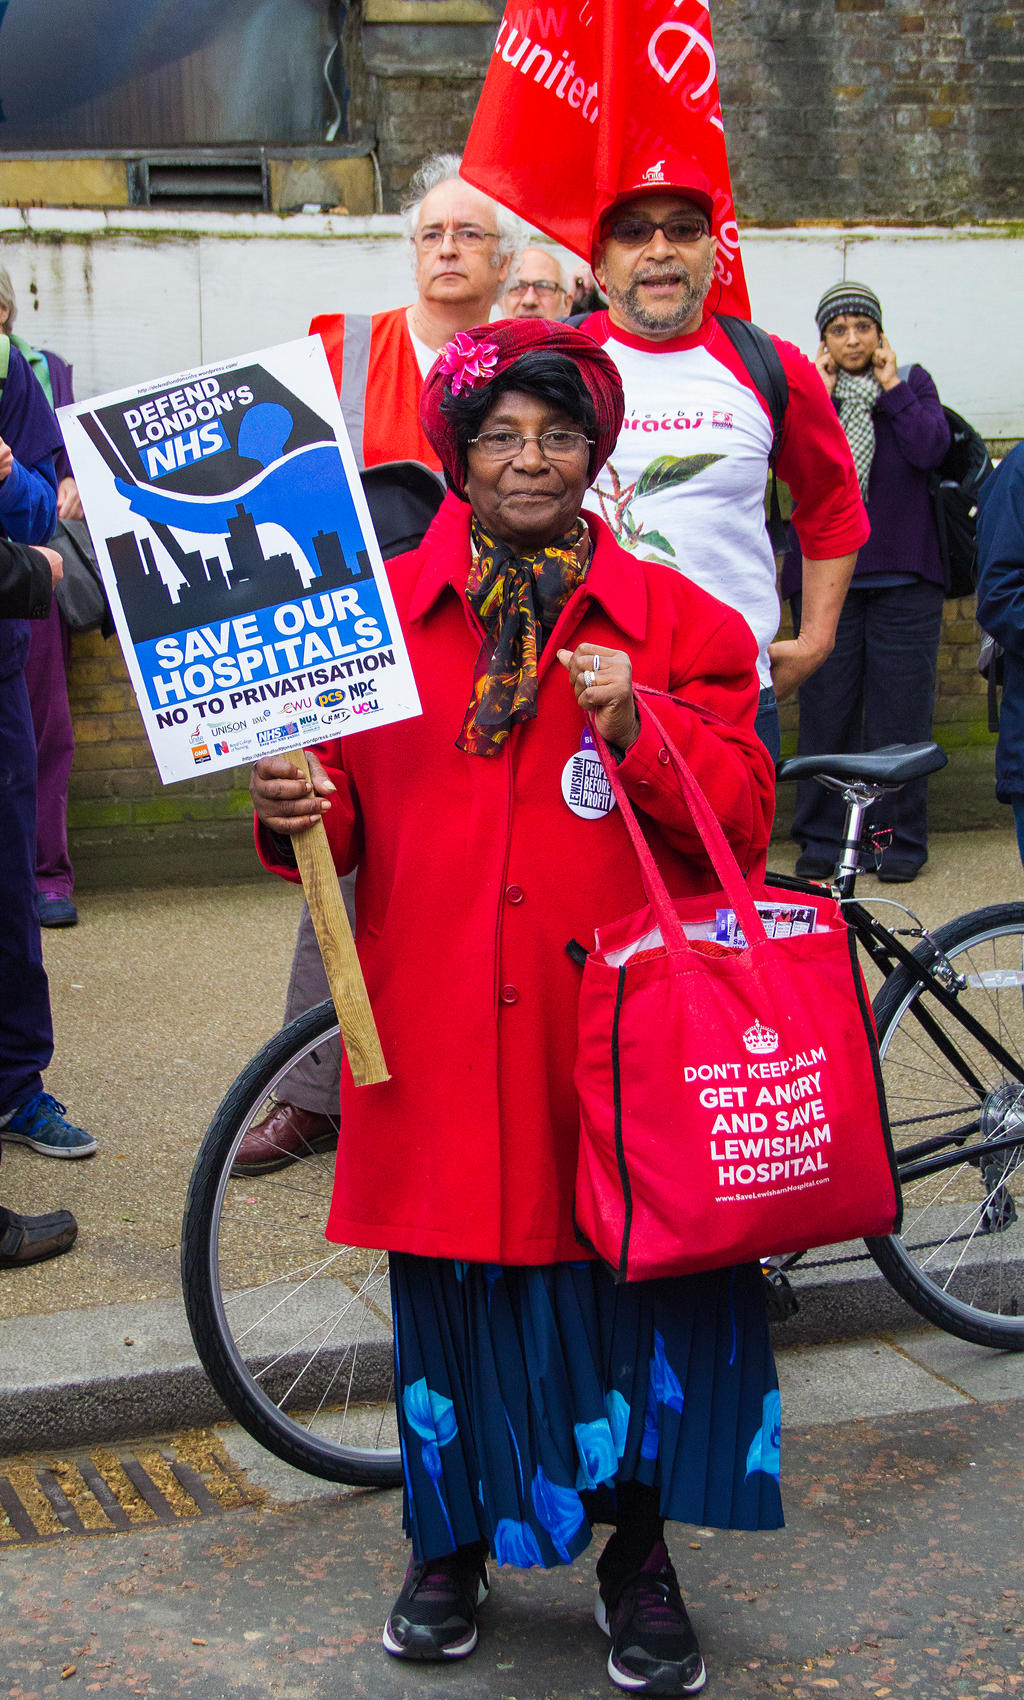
<point x="468" y="363"/>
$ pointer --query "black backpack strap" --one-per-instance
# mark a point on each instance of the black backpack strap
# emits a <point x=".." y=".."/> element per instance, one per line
<point x="761" y="358"/>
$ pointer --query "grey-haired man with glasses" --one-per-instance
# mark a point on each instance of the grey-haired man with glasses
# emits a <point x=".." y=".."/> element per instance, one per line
<point x="536" y="288"/>
<point x="461" y="245"/>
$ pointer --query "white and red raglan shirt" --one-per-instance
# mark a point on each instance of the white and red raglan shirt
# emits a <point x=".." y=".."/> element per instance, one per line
<point x="685" y="483"/>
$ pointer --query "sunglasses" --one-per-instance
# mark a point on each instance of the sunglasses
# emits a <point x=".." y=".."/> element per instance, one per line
<point x="635" y="232"/>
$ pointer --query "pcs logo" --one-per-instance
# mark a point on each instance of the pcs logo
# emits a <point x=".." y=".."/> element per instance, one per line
<point x="330" y="699"/>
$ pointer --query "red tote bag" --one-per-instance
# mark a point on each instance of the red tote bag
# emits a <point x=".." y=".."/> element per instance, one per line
<point x="731" y="1102"/>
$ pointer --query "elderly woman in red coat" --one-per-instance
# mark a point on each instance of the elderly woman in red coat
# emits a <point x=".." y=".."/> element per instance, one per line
<point x="534" y="1396"/>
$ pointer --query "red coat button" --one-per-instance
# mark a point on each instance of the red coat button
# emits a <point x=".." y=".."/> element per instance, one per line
<point x="663" y="757"/>
<point x="509" y="994"/>
<point x="514" y="894"/>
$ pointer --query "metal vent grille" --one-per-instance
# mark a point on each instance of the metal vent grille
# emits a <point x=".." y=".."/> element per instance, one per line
<point x="113" y="1489"/>
<point x="221" y="183"/>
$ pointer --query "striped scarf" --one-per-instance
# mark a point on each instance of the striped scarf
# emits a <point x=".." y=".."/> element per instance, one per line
<point x="518" y="599"/>
<point x="856" y="395"/>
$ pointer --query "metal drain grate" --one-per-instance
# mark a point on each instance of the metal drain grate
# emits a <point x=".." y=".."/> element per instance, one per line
<point x="107" y="1491"/>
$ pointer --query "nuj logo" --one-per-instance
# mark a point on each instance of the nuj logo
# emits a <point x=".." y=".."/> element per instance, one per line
<point x="655" y="173"/>
<point x="761" y="1040"/>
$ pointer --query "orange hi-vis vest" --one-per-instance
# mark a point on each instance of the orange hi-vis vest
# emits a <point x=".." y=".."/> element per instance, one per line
<point x="379" y="382"/>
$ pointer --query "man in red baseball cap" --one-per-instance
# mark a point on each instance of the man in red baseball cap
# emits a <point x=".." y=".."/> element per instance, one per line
<point x="686" y="481"/>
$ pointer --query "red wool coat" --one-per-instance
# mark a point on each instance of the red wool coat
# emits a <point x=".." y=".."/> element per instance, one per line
<point x="474" y="873"/>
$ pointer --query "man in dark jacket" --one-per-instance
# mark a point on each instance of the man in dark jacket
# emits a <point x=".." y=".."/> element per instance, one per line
<point x="27" y="581"/>
<point x="1001" y="612"/>
<point x="29" y="438"/>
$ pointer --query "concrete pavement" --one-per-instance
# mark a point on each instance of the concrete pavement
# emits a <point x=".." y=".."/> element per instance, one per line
<point x="159" y="998"/>
<point x="900" y="1571"/>
<point x="900" y="1574"/>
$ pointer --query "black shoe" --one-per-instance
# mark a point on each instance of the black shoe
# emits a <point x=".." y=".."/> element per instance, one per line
<point x="898" y="873"/>
<point x="28" y="1239"/>
<point x="434" y="1617"/>
<point x="654" y="1648"/>
<point x="812" y="867"/>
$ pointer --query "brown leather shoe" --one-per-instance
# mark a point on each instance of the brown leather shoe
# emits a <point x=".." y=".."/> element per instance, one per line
<point x="28" y="1239"/>
<point x="284" y="1136"/>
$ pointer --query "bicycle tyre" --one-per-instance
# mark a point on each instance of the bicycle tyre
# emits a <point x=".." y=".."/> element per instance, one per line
<point x="293" y="1332"/>
<point x="959" y="1257"/>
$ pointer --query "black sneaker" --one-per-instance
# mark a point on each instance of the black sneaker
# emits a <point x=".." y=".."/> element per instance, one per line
<point x="654" y="1649"/>
<point x="434" y="1617"/>
<point x="812" y="867"/>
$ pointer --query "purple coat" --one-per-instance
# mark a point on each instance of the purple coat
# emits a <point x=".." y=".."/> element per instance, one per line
<point x="911" y="437"/>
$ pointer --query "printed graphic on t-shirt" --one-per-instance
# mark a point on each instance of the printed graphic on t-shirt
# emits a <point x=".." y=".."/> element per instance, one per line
<point x="617" y="496"/>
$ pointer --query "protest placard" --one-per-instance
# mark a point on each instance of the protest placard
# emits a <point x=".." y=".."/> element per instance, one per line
<point x="247" y="589"/>
<point x="242" y="571"/>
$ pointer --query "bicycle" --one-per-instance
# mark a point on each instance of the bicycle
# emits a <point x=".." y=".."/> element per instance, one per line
<point x="295" y="1334"/>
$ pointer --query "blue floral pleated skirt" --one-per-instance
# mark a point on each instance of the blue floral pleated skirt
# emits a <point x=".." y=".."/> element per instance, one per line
<point x="524" y="1394"/>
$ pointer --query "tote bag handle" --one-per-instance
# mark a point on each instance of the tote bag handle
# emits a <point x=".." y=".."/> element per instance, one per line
<point x="704" y="819"/>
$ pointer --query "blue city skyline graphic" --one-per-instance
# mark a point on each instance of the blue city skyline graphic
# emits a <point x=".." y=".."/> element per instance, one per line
<point x="301" y="490"/>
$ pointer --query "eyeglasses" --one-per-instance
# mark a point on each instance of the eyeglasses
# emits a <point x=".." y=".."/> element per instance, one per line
<point x="540" y="284"/>
<point x="553" y="445"/>
<point x="463" y="235"/>
<point x="837" y="331"/>
<point x="637" y="232"/>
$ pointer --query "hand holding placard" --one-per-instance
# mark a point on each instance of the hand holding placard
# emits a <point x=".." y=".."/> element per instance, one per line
<point x="288" y="804"/>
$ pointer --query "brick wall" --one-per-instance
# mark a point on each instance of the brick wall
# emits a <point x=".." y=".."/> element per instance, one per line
<point x="874" y="111"/>
<point x="417" y="116"/>
<point x="962" y="796"/>
<point x="125" y="827"/>
<point x="128" y="829"/>
<point x="867" y="111"/>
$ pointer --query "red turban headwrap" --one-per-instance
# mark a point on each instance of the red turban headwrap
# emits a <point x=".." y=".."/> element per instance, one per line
<point x="474" y="358"/>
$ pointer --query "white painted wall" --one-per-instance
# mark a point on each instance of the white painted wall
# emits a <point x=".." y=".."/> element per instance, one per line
<point x="127" y="296"/>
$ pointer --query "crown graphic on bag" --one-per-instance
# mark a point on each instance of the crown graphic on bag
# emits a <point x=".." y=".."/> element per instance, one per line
<point x="761" y="1039"/>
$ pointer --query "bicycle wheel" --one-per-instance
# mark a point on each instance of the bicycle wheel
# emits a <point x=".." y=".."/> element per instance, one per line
<point x="293" y="1332"/>
<point x="956" y="1107"/>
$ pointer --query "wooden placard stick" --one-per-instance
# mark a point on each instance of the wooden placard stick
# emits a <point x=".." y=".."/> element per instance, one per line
<point x="337" y="947"/>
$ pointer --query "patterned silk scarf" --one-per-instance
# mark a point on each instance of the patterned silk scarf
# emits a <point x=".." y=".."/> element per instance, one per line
<point x="518" y="599"/>
<point x="856" y="395"/>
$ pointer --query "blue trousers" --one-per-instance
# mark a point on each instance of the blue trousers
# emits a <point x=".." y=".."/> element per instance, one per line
<point x="876" y="688"/>
<point x="26" y="1028"/>
<point x="767" y="723"/>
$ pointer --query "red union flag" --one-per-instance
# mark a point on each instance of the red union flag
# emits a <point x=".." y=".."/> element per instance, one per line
<point x="587" y="100"/>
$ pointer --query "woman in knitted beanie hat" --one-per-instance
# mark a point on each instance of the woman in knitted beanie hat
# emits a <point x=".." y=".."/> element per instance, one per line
<point x="878" y="685"/>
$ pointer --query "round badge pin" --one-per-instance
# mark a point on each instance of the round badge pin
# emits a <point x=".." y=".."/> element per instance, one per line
<point x="585" y="784"/>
